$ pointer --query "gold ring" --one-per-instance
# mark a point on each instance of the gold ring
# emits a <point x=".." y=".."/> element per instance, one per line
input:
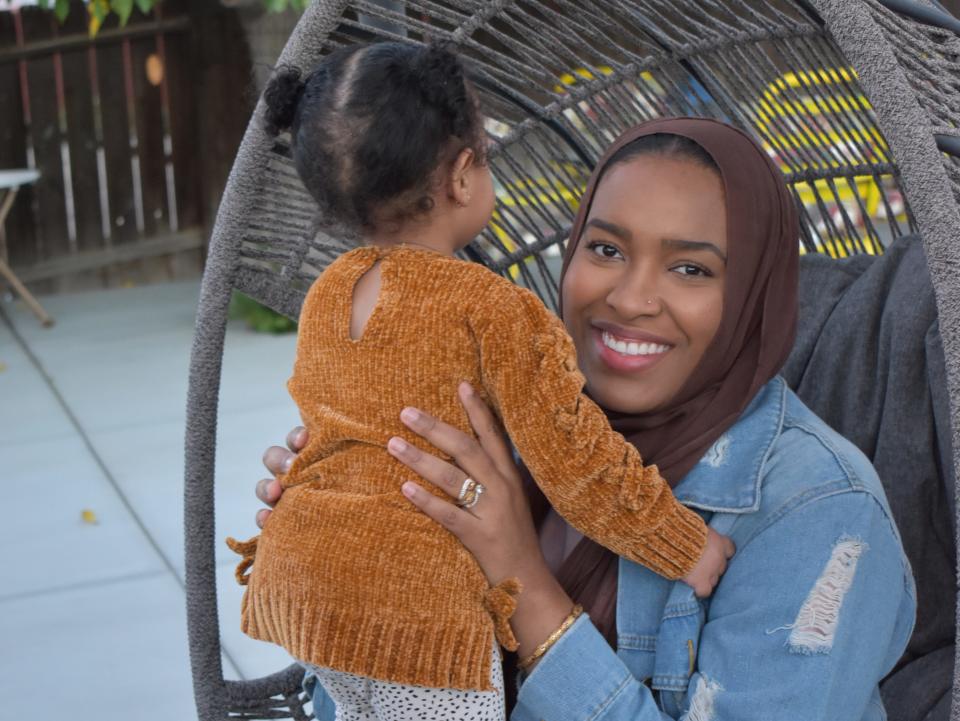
<point x="468" y="485"/>
<point x="470" y="493"/>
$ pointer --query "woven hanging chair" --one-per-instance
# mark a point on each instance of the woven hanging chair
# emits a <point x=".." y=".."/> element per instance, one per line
<point x="859" y="103"/>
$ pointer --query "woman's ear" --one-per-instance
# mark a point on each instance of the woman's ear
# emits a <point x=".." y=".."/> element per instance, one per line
<point x="458" y="184"/>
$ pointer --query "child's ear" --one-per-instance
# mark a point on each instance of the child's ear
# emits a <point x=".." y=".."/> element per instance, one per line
<point x="459" y="187"/>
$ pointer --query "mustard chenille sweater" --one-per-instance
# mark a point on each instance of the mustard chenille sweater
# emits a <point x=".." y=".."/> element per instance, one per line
<point x="348" y="574"/>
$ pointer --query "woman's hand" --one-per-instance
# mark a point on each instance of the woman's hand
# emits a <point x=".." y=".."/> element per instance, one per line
<point x="278" y="460"/>
<point x="498" y="530"/>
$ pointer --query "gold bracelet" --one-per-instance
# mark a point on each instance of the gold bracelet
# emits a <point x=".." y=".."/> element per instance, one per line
<point x="552" y="638"/>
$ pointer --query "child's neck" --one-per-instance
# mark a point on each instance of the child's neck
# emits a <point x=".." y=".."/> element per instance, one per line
<point x="416" y="244"/>
<point x="432" y="236"/>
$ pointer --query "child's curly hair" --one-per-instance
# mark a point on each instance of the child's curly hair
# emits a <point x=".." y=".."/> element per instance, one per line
<point x="371" y="125"/>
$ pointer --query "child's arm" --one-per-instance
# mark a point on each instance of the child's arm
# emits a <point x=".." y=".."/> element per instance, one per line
<point x="589" y="472"/>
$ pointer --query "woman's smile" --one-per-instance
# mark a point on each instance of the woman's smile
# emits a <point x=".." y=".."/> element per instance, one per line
<point x="626" y="350"/>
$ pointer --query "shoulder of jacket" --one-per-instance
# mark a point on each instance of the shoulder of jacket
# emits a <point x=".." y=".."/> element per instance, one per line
<point x="828" y="447"/>
<point x="810" y="464"/>
<point x="835" y="502"/>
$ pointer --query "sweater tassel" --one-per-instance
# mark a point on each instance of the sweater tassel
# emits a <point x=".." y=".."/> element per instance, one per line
<point x="247" y="549"/>
<point x="500" y="602"/>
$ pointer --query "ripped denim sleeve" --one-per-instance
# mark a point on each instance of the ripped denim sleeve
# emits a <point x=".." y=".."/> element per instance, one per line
<point x="815" y="628"/>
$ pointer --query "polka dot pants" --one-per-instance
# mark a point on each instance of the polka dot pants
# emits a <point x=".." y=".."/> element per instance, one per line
<point x="358" y="698"/>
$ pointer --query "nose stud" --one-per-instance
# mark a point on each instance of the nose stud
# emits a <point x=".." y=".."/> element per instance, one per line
<point x="649" y="301"/>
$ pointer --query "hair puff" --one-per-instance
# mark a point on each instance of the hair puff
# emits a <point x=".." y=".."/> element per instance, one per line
<point x="282" y="97"/>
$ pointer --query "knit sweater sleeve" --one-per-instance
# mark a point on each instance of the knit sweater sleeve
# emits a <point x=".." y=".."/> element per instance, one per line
<point x="590" y="473"/>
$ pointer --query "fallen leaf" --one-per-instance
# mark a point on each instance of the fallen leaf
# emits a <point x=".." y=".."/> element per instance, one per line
<point x="3" y="366"/>
<point x="89" y="516"/>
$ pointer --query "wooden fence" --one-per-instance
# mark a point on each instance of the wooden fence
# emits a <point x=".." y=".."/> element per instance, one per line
<point x="132" y="152"/>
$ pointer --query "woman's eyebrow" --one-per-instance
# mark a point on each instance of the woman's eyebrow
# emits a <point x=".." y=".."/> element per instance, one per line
<point x="612" y="228"/>
<point x="694" y="245"/>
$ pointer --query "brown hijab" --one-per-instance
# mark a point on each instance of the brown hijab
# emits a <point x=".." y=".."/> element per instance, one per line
<point x="753" y="340"/>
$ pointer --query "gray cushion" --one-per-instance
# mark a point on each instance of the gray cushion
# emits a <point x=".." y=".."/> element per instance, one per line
<point x="869" y="361"/>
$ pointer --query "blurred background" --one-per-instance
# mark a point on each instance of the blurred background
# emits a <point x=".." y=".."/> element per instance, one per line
<point x="123" y="141"/>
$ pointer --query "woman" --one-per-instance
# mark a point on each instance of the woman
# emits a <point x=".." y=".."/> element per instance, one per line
<point x="679" y="290"/>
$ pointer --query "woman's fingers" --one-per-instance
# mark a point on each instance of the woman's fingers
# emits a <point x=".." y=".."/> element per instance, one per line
<point x="460" y="523"/>
<point x="463" y="448"/>
<point x="268" y="490"/>
<point x="440" y="473"/>
<point x="278" y="459"/>
<point x="491" y="436"/>
<point x="297" y="439"/>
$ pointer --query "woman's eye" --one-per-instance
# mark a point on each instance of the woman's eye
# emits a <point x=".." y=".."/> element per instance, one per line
<point x="604" y="250"/>
<point x="692" y="269"/>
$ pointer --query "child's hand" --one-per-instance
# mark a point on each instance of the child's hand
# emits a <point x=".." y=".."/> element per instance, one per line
<point x="706" y="574"/>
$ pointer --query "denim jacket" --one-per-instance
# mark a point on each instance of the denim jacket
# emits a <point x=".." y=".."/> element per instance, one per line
<point x="815" y="608"/>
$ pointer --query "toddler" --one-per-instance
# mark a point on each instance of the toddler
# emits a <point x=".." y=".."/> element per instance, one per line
<point x="391" y="612"/>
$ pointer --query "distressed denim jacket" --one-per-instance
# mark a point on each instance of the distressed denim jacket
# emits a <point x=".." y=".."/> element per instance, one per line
<point x="815" y="608"/>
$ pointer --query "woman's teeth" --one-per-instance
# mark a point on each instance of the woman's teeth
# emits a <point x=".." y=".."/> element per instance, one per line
<point x="633" y="348"/>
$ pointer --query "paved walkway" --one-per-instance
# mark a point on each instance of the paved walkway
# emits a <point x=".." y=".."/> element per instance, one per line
<point x="92" y="614"/>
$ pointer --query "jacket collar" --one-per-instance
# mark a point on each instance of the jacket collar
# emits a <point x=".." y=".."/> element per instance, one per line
<point x="727" y="478"/>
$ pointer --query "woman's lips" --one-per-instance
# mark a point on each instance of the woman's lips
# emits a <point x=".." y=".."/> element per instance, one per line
<point x="630" y="356"/>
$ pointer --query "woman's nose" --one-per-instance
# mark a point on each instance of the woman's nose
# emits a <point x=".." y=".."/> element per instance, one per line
<point x="635" y="294"/>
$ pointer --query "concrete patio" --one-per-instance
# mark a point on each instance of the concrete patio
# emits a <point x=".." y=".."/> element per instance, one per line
<point x="92" y="605"/>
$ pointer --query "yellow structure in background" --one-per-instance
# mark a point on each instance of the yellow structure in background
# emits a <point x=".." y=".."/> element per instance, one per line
<point x="551" y="193"/>
<point x="799" y="118"/>
<point x="799" y="135"/>
<point x="774" y="104"/>
<point x="536" y="192"/>
<point x="568" y="79"/>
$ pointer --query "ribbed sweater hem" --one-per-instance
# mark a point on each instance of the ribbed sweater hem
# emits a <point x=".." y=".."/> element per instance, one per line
<point x="431" y="653"/>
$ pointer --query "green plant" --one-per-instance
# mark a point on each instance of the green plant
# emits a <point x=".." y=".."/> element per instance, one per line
<point x="99" y="10"/>
<point x="258" y="317"/>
